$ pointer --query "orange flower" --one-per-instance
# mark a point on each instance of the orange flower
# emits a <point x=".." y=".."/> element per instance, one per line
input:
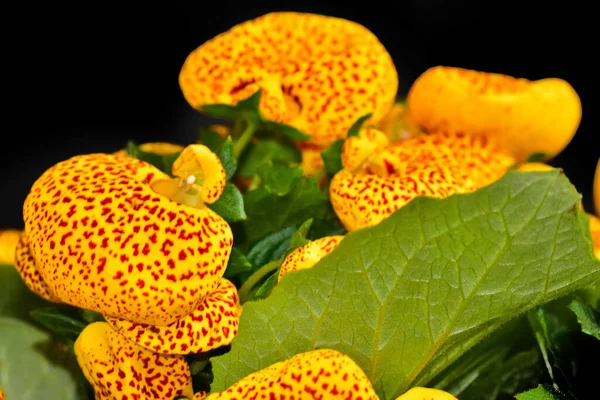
<point x="523" y="117"/>
<point x="317" y="73"/>
<point x="435" y="165"/>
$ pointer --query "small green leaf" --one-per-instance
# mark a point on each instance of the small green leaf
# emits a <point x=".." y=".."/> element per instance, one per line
<point x="230" y="206"/>
<point x="587" y="317"/>
<point x="91" y="316"/>
<point x="210" y="139"/>
<point x="299" y="238"/>
<point x="251" y="103"/>
<point x="59" y="322"/>
<point x="539" y="393"/>
<point x="355" y="128"/>
<point x="238" y="264"/>
<point x="332" y="157"/>
<point x="279" y="179"/>
<point x="265" y="152"/>
<point x="16" y="300"/>
<point x="33" y="366"/>
<point x="220" y="111"/>
<point x="535" y="157"/>
<point x="407" y="297"/>
<point x="286" y="130"/>
<point x="168" y="161"/>
<point x="196" y="366"/>
<point x="265" y="289"/>
<point x="268" y="212"/>
<point x="272" y="247"/>
<point x="227" y="158"/>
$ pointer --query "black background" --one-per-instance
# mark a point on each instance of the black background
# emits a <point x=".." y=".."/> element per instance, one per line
<point x="86" y="78"/>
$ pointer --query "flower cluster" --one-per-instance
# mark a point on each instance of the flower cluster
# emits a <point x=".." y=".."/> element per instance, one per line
<point x="116" y="235"/>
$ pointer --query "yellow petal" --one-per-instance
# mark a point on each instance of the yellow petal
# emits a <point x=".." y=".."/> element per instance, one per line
<point x="103" y="240"/>
<point x="595" y="233"/>
<point x="436" y="165"/>
<point x="213" y="324"/>
<point x="597" y="188"/>
<point x="359" y="148"/>
<point x="2" y="395"/>
<point x="308" y="255"/>
<point x="30" y="273"/>
<point x="523" y="117"/>
<point x="8" y="244"/>
<point x="421" y="393"/>
<point x="119" y="369"/>
<point x="197" y="160"/>
<point x="534" y="166"/>
<point x="312" y="162"/>
<point x="317" y="73"/>
<point x="318" y="374"/>
<point x="160" y="148"/>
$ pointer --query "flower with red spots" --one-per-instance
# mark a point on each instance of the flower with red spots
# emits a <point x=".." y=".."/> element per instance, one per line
<point x="522" y="117"/>
<point x="117" y="236"/>
<point x="375" y="182"/>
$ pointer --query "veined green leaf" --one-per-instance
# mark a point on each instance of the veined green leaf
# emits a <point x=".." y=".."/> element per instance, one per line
<point x="271" y="247"/>
<point x="355" y="128"/>
<point x="332" y="157"/>
<point x="407" y="297"/>
<point x="238" y="264"/>
<point x="30" y="364"/>
<point x="539" y="393"/>
<point x="588" y="318"/>
<point x="227" y="158"/>
<point x="263" y="152"/>
<point x="230" y="205"/>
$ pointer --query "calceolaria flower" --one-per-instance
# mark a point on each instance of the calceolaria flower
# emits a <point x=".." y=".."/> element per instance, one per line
<point x="308" y="255"/>
<point x="119" y="369"/>
<point x="523" y="117"/>
<point x="371" y="188"/>
<point x="316" y="73"/>
<point x="8" y="243"/>
<point x="325" y="374"/>
<point x="115" y="235"/>
<point x="421" y="393"/>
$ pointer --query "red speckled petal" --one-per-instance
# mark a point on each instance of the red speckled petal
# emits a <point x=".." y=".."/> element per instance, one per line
<point x="421" y="393"/>
<point x="358" y="149"/>
<point x="119" y="369"/>
<point x="522" y="117"/>
<point x="308" y="255"/>
<point x="30" y="273"/>
<point x="319" y="374"/>
<point x="199" y="161"/>
<point x="105" y="241"/>
<point x="8" y="244"/>
<point x="213" y="324"/>
<point x="317" y="73"/>
<point x="436" y="165"/>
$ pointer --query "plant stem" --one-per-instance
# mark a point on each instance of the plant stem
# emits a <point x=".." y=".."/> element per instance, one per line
<point x="256" y="277"/>
<point x="242" y="141"/>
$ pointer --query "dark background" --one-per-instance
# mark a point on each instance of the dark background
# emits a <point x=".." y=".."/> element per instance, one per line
<point x="86" y="78"/>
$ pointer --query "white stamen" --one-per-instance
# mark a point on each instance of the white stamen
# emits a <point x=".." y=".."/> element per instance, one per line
<point x="191" y="179"/>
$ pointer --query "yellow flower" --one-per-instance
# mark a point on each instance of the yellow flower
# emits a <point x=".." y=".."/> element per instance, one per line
<point x="116" y="235"/>
<point x="317" y="374"/>
<point x="438" y="165"/>
<point x="160" y="148"/>
<point x="8" y="244"/>
<point x="317" y="73"/>
<point x="119" y="369"/>
<point x="597" y="188"/>
<point x="522" y="117"/>
<point x="421" y="393"/>
<point x="308" y="255"/>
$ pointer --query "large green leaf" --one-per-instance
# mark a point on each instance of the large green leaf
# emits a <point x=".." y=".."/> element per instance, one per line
<point x="30" y="364"/>
<point x="406" y="298"/>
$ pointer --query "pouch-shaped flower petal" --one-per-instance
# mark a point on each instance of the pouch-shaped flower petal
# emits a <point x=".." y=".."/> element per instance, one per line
<point x="104" y="239"/>
<point x="308" y="255"/>
<point x="521" y="116"/>
<point x="317" y="73"/>
<point x="8" y="244"/>
<point x="119" y="369"/>
<point x="30" y="273"/>
<point x="213" y="324"/>
<point x="436" y="165"/>
<point x="317" y="374"/>
<point x="421" y="393"/>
